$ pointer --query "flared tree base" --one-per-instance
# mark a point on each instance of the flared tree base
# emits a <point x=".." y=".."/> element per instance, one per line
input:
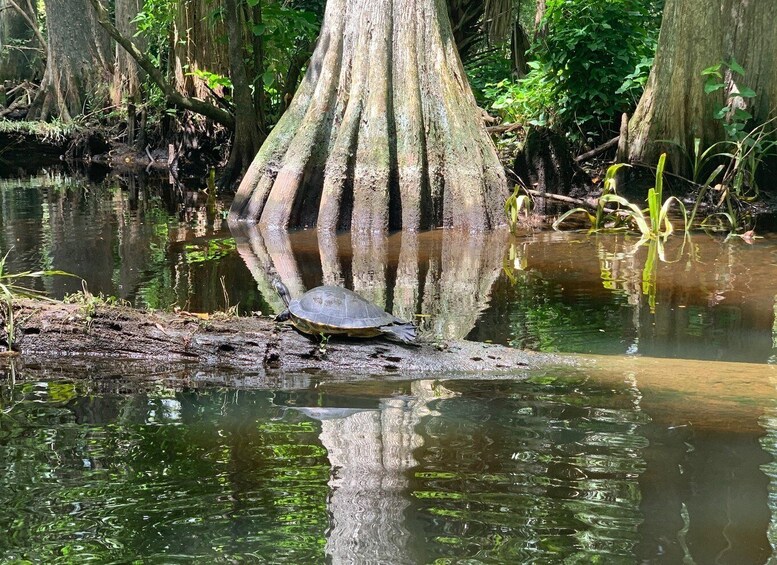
<point x="384" y="132"/>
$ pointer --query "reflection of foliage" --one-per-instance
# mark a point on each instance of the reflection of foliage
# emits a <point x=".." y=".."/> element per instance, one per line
<point x="542" y="469"/>
<point x="211" y="250"/>
<point x="540" y="320"/>
<point x="116" y="478"/>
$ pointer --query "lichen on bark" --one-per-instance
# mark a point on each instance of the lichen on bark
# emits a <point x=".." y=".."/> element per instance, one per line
<point x="383" y="133"/>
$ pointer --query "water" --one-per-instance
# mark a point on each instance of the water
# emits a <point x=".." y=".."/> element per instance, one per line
<point x="662" y="451"/>
<point x="559" y="468"/>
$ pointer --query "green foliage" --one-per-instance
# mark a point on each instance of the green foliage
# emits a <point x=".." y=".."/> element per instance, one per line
<point x="733" y="114"/>
<point x="516" y="204"/>
<point x="213" y="80"/>
<point x="590" y="66"/>
<point x="527" y="101"/>
<point x="287" y="29"/>
<point x="54" y="130"/>
<point x="90" y="302"/>
<point x="746" y="146"/>
<point x="154" y="23"/>
<point x="485" y="71"/>
<point x="652" y="222"/>
<point x="729" y="168"/>
<point x="597" y="55"/>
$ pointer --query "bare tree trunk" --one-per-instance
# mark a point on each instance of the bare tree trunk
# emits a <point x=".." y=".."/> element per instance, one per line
<point x="247" y="139"/>
<point x="540" y="30"/>
<point x="20" y="57"/>
<point x="128" y="76"/>
<point x="196" y="46"/>
<point x="383" y="133"/>
<point x="674" y="106"/>
<point x="79" y="64"/>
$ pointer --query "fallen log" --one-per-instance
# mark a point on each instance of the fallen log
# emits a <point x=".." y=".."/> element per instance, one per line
<point x="48" y="334"/>
<point x="503" y="128"/>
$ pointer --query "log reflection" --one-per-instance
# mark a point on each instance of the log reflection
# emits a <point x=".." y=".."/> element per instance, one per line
<point x="443" y="277"/>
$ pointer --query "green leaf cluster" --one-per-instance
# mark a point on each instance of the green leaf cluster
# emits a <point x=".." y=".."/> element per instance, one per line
<point x="589" y="65"/>
<point x="652" y="222"/>
<point x="597" y="55"/>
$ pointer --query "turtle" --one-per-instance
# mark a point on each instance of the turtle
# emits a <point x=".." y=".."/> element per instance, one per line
<point x="328" y="310"/>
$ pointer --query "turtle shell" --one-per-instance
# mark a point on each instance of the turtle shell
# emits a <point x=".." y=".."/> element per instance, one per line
<point x="333" y="309"/>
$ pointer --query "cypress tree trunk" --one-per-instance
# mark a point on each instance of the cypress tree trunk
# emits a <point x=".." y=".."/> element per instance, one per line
<point x="247" y="138"/>
<point x="128" y="75"/>
<point x="197" y="45"/>
<point x="695" y="35"/>
<point x="79" y="63"/>
<point x="383" y="133"/>
<point x="19" y="57"/>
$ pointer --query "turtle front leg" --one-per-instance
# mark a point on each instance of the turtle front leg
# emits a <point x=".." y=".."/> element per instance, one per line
<point x="283" y="316"/>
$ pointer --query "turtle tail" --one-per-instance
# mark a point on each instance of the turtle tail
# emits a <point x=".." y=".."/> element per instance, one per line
<point x="405" y="331"/>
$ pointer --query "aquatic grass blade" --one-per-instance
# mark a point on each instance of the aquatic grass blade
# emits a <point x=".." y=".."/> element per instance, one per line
<point x="568" y="213"/>
<point x="632" y="211"/>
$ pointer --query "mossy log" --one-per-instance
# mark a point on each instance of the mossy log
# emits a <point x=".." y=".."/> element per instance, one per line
<point x="48" y="333"/>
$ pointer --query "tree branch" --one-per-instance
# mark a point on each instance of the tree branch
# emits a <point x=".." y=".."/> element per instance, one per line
<point x="598" y="150"/>
<point x="31" y="23"/>
<point x="171" y="95"/>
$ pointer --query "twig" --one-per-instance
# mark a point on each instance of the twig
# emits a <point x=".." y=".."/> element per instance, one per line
<point x="591" y="203"/>
<point x="15" y="105"/>
<point x="597" y="151"/>
<point x="503" y="128"/>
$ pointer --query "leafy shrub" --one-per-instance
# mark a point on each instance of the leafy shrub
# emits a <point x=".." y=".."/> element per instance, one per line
<point x="525" y="101"/>
<point x="591" y="66"/>
<point x="597" y="55"/>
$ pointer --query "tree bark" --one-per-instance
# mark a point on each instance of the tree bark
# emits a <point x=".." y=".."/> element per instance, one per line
<point x="247" y="138"/>
<point x="695" y="35"/>
<point x="383" y="133"/>
<point x="20" y="58"/>
<point x="128" y="75"/>
<point x="49" y="332"/>
<point x="78" y="63"/>
<point x="173" y="96"/>
<point x="197" y="46"/>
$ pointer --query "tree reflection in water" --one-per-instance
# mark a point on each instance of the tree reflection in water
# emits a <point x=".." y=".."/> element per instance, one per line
<point x="571" y="466"/>
<point x="445" y="277"/>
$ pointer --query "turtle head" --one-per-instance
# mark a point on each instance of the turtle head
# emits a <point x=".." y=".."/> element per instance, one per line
<point x="282" y="291"/>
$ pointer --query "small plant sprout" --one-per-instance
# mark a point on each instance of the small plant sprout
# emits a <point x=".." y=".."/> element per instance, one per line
<point x="323" y="344"/>
<point x="652" y="222"/>
<point x="516" y="204"/>
<point x="12" y="289"/>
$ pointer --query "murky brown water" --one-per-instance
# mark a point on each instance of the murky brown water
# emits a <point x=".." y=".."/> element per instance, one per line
<point x="660" y="448"/>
